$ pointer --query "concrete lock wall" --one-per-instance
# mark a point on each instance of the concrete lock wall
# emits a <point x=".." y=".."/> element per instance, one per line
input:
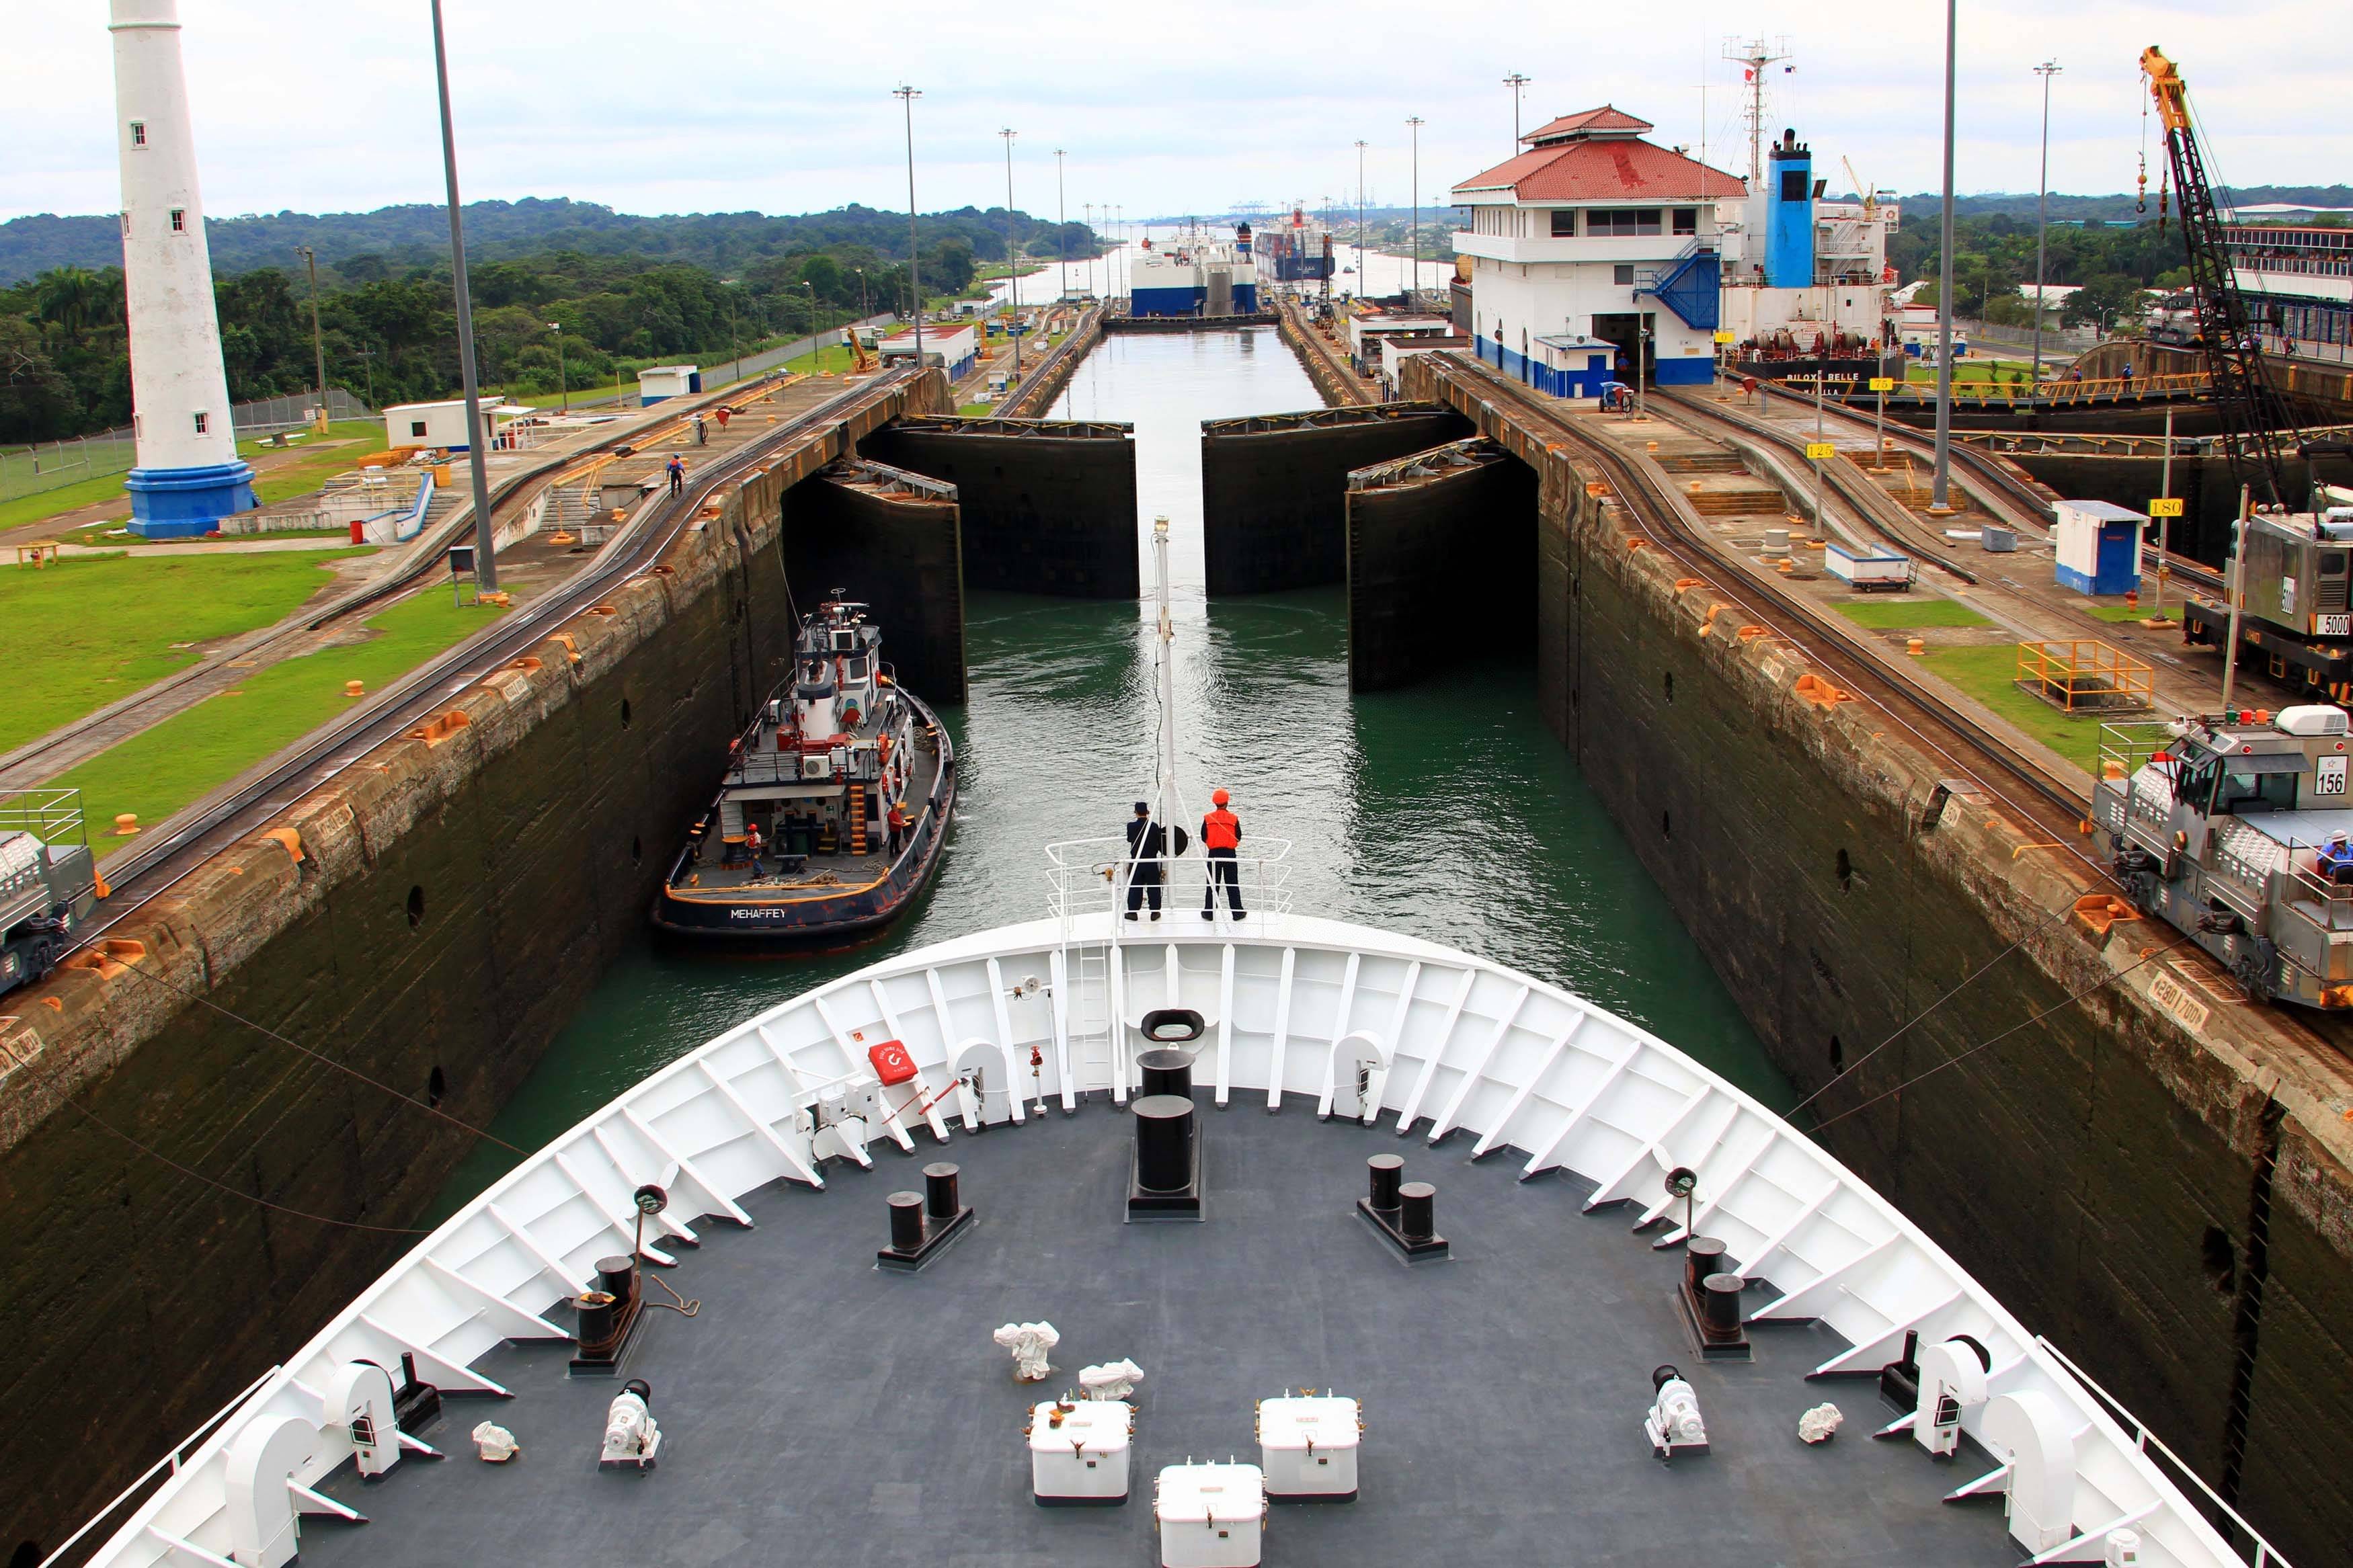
<point x="2122" y="1171"/>
<point x="1465" y="536"/>
<point x="434" y="914"/>
<point x="1274" y="512"/>
<point x="1048" y="507"/>
<point x="898" y="553"/>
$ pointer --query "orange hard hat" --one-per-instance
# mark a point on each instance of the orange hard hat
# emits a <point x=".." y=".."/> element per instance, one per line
<point x="1218" y="797"/>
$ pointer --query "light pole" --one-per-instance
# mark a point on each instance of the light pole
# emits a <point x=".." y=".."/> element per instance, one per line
<point x="1012" y="268"/>
<point x="318" y="344"/>
<point x="2046" y="70"/>
<point x="907" y="95"/>
<point x="1094" y="245"/>
<point x="563" y="386"/>
<point x="816" y="360"/>
<point x="486" y="564"/>
<point x="1414" y="123"/>
<point x="1062" y="225"/>
<point x="1939" y="495"/>
<point x="367" y="364"/>
<point x="1516" y="81"/>
<point x="862" y="312"/>
<point x="1364" y="267"/>
<point x="735" y="342"/>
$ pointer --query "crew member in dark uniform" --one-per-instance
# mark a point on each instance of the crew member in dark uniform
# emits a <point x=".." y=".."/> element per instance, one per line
<point x="1221" y="836"/>
<point x="1147" y="842"/>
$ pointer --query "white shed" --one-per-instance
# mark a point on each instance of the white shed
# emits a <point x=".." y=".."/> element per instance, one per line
<point x="656" y="382"/>
<point x="442" y="425"/>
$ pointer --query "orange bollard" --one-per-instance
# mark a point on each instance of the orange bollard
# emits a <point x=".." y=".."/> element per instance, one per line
<point x="355" y="689"/>
<point x="1917" y="647"/>
<point x="126" y="825"/>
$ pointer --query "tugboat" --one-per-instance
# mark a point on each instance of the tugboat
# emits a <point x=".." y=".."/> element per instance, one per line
<point x="836" y="802"/>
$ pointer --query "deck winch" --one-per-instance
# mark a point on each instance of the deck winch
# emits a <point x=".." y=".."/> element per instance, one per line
<point x="1673" y="1423"/>
<point x="631" y="1436"/>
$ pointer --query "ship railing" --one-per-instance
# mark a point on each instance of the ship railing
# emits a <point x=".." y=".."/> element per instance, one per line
<point x="1094" y="875"/>
<point x="2128" y="747"/>
<point x="168" y="1465"/>
<point x="2258" y="1552"/>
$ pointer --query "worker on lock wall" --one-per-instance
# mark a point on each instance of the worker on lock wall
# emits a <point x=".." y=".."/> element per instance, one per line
<point x="1221" y="837"/>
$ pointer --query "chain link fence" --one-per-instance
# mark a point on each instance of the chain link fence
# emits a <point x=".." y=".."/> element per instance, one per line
<point x="52" y="465"/>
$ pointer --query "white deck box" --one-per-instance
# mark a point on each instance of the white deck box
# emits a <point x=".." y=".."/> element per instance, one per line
<point x="1307" y="1445"/>
<point x="1084" y="1458"/>
<point x="1210" y="1515"/>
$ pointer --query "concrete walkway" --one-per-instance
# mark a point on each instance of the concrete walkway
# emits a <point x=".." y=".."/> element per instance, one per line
<point x="264" y="546"/>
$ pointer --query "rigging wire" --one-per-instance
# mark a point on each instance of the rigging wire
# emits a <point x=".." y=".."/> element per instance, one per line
<point x="255" y="1198"/>
<point x="1903" y="1027"/>
<point x="429" y="1110"/>
<point x="2069" y="1000"/>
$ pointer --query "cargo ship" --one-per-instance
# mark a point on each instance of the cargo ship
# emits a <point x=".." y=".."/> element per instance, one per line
<point x="1296" y="251"/>
<point x="835" y="807"/>
<point x="1194" y="278"/>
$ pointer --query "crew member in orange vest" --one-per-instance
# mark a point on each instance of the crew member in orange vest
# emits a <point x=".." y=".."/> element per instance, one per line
<point x="1221" y="835"/>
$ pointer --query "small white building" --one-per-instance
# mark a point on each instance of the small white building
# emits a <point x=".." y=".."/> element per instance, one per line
<point x="1594" y="232"/>
<point x="1369" y="328"/>
<point x="1390" y="352"/>
<point x="658" y="382"/>
<point x="952" y="349"/>
<point x="442" y="425"/>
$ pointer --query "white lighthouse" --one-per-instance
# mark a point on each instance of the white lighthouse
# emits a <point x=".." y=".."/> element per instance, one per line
<point x="189" y="476"/>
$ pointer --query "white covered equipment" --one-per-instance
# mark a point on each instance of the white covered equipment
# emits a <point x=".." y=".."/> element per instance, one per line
<point x="1110" y="1379"/>
<point x="1085" y="1456"/>
<point x="1952" y="1379"/>
<point x="495" y="1442"/>
<point x="1307" y="1447"/>
<point x="1210" y="1515"/>
<point x="1031" y="1344"/>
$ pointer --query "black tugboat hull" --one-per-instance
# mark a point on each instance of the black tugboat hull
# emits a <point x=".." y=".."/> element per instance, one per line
<point x="750" y="921"/>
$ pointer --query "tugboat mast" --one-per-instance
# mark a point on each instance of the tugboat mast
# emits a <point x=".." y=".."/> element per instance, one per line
<point x="1168" y="804"/>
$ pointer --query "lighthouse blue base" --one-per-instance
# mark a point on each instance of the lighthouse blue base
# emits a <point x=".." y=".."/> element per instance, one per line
<point x="186" y="503"/>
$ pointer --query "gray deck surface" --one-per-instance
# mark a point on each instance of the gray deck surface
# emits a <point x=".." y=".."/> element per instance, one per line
<point x="819" y="1411"/>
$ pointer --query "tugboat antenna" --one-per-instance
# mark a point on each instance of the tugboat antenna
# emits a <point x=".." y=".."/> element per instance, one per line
<point x="1168" y="806"/>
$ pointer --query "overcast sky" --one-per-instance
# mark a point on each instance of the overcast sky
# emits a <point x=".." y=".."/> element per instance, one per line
<point x="694" y="105"/>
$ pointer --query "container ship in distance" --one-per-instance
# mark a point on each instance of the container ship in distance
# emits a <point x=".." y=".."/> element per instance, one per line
<point x="1193" y="277"/>
<point x="835" y="807"/>
<point x="1296" y="251"/>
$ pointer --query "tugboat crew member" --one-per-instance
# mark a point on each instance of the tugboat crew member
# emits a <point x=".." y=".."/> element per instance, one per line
<point x="897" y="821"/>
<point x="1221" y="836"/>
<point x="753" y="846"/>
<point x="1148" y="844"/>
<point x="2336" y="859"/>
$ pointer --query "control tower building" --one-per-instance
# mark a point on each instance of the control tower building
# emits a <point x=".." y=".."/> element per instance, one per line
<point x="188" y="476"/>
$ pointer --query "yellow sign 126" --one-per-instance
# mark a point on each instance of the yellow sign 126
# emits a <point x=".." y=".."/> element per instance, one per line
<point x="1820" y="451"/>
<point x="2165" y="506"/>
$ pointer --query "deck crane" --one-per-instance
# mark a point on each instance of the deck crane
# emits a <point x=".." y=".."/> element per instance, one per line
<point x="2252" y="413"/>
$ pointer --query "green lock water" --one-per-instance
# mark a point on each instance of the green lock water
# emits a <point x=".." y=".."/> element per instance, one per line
<point x="1446" y="811"/>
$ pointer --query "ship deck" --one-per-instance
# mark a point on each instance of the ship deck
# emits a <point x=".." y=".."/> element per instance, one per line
<point x="817" y="1409"/>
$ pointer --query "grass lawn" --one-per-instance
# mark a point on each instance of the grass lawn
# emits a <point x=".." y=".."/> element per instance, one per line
<point x="355" y="437"/>
<point x="976" y="410"/>
<point x="1898" y="614"/>
<point x="158" y="771"/>
<point x="832" y="360"/>
<point x="84" y="632"/>
<point x="1987" y="674"/>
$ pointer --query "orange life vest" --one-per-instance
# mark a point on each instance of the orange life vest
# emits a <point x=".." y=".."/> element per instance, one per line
<point x="1222" y="829"/>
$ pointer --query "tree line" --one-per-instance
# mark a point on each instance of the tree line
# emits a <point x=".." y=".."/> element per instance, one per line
<point x="390" y="331"/>
<point x="2117" y="269"/>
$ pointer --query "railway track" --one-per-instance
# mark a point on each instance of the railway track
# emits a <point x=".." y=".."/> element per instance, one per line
<point x="162" y="699"/>
<point x="140" y="874"/>
<point x="2048" y="804"/>
<point x="1971" y="750"/>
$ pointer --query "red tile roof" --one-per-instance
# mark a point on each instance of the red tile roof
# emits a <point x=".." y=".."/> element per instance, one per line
<point x="1606" y="117"/>
<point x="1613" y="169"/>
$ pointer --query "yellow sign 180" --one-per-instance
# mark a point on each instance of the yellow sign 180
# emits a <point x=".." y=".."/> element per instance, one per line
<point x="2165" y="506"/>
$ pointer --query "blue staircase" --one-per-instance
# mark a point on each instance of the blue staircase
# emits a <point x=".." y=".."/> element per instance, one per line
<point x="1692" y="286"/>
